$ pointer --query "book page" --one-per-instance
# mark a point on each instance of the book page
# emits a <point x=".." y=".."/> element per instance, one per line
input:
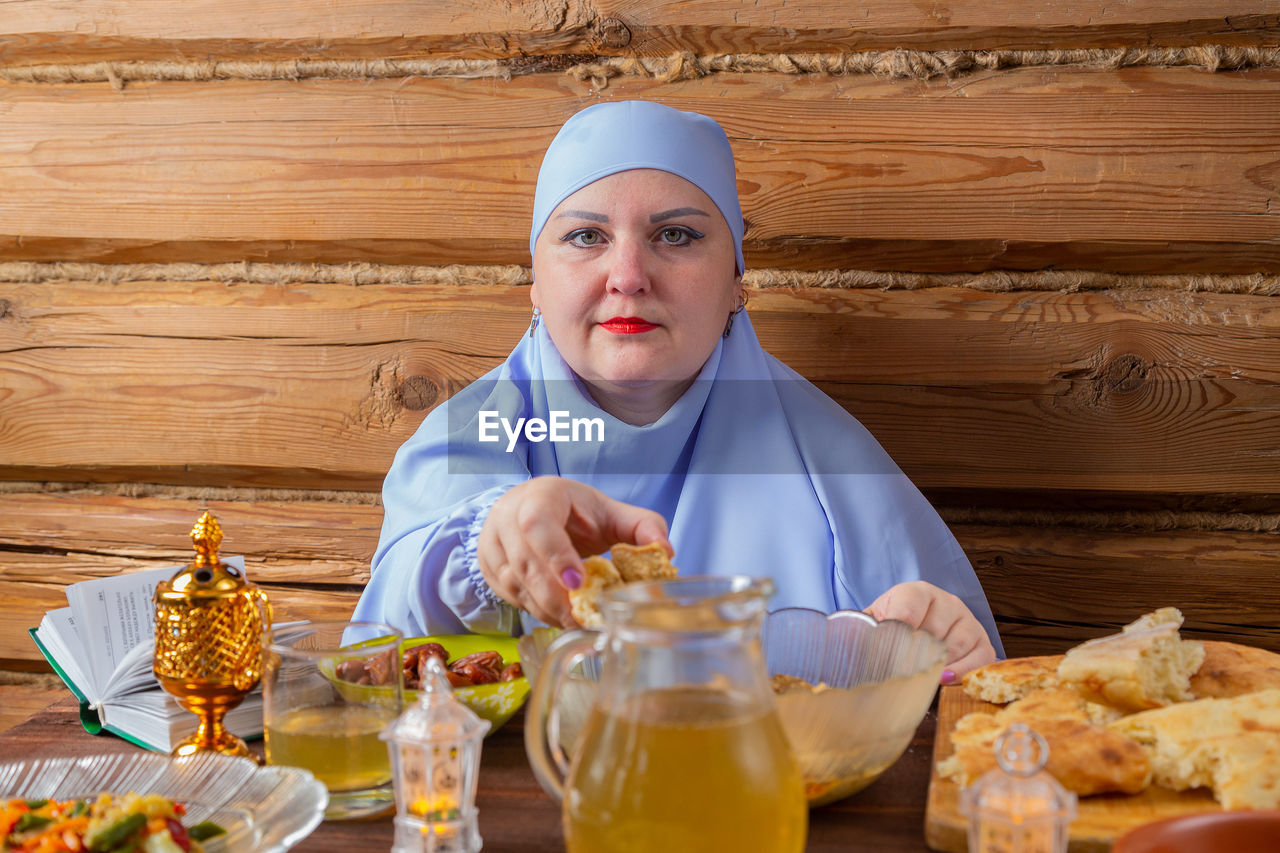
<point x="133" y="674"/>
<point x="60" y="640"/>
<point x="115" y="614"/>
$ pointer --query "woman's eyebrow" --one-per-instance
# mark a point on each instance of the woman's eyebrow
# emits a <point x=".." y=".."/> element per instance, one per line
<point x="678" y="211"/>
<point x="582" y="214"/>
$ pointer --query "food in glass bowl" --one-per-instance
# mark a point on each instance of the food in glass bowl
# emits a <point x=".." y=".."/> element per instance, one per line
<point x="484" y="669"/>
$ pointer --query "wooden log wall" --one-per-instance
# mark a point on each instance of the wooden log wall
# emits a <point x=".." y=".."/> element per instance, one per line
<point x="1035" y="248"/>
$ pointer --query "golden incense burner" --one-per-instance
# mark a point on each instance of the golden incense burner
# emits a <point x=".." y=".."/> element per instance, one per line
<point x="209" y="625"/>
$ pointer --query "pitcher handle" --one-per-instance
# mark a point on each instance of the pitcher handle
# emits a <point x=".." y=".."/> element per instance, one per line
<point x="542" y="723"/>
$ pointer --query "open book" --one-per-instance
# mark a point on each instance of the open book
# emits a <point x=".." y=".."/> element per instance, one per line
<point x="102" y="646"/>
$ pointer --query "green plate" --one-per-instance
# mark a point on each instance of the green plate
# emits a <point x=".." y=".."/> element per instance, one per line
<point x="495" y="702"/>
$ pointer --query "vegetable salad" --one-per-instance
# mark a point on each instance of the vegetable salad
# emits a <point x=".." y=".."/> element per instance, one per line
<point x="133" y="823"/>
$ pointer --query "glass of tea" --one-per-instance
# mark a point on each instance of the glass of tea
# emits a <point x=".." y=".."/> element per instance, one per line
<point x="329" y="689"/>
<point x="682" y="750"/>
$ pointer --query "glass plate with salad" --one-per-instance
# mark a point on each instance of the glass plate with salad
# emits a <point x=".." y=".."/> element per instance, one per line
<point x="257" y="809"/>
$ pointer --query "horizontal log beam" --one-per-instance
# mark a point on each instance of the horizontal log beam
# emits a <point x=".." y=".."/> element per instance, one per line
<point x="1165" y="170"/>
<point x="316" y="385"/>
<point x="1053" y="587"/>
<point x="45" y="31"/>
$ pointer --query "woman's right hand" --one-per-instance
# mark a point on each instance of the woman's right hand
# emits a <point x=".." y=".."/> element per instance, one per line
<point x="531" y="542"/>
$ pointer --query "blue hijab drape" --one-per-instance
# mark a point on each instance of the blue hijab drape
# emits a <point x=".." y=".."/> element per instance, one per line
<point x="755" y="470"/>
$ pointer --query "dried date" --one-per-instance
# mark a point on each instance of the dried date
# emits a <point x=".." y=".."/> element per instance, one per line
<point x="415" y="660"/>
<point x="478" y="668"/>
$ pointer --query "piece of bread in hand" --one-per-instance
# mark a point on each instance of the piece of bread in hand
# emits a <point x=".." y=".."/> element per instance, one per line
<point x="1231" y="746"/>
<point x="642" y="562"/>
<point x="630" y="564"/>
<point x="599" y="575"/>
<point x="1084" y="757"/>
<point x="1147" y="665"/>
<point x="1230" y="669"/>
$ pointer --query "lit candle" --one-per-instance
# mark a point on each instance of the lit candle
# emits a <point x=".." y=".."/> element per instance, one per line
<point x="435" y="756"/>
<point x="1018" y="807"/>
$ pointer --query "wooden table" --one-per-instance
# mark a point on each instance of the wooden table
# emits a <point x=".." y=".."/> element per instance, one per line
<point x="515" y="814"/>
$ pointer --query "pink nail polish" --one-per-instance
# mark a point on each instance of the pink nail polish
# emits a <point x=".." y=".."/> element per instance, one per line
<point x="572" y="578"/>
<point x="948" y="677"/>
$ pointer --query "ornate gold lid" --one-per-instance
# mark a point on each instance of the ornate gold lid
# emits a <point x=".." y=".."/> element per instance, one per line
<point x="206" y="577"/>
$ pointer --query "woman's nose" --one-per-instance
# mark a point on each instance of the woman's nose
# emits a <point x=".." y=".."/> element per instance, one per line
<point x="628" y="267"/>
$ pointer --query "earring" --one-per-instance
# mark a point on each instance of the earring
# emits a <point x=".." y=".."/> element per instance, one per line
<point x="728" y="325"/>
<point x="533" y="324"/>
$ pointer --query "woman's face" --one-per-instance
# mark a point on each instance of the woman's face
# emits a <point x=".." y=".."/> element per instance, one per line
<point x="635" y="277"/>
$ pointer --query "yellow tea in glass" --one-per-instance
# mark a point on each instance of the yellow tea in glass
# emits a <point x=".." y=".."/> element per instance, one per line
<point x="317" y="716"/>
<point x="680" y="770"/>
<point x="339" y="744"/>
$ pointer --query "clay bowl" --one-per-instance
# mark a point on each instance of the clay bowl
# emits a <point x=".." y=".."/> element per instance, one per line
<point x="1210" y="832"/>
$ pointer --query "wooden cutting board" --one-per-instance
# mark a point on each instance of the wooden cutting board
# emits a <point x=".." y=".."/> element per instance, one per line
<point x="1099" y="822"/>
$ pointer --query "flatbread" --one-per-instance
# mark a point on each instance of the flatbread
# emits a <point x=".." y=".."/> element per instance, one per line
<point x="1230" y="669"/>
<point x="1008" y="680"/>
<point x="1147" y="665"/>
<point x="1231" y="746"/>
<point x="1203" y="714"/>
<point x="1086" y="758"/>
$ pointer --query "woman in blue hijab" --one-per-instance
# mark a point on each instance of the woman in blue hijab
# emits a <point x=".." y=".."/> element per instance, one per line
<point x="641" y="408"/>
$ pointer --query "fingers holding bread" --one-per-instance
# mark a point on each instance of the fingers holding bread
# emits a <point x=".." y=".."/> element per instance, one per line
<point x="628" y="564"/>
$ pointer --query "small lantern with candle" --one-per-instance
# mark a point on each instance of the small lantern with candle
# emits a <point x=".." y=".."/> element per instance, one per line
<point x="435" y="761"/>
<point x="1018" y="807"/>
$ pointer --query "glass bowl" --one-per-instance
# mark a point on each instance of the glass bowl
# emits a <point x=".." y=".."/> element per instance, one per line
<point x="263" y="809"/>
<point x="496" y="702"/>
<point x="869" y="686"/>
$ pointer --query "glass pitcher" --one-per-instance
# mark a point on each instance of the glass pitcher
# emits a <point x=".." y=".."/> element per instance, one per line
<point x="682" y="749"/>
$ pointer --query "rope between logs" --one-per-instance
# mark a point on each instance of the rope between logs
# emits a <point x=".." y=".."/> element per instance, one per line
<point x="515" y="275"/>
<point x="599" y="70"/>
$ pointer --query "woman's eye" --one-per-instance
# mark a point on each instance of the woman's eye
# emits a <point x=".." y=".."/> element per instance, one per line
<point x="584" y="237"/>
<point x="674" y="236"/>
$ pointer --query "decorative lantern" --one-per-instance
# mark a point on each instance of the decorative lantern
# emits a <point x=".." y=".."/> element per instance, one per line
<point x="1018" y="807"/>
<point x="209" y="624"/>
<point x="435" y="762"/>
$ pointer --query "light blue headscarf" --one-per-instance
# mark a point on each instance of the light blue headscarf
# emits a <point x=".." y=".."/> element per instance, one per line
<point x="755" y="470"/>
<point x="613" y="137"/>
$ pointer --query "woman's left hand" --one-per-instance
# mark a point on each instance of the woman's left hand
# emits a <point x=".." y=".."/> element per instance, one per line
<point x="922" y="605"/>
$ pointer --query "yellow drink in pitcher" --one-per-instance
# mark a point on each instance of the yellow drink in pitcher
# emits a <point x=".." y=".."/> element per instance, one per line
<point x="681" y="770"/>
<point x="338" y="743"/>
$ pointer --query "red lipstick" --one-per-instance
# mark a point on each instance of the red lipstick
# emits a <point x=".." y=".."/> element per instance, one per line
<point x="628" y="325"/>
